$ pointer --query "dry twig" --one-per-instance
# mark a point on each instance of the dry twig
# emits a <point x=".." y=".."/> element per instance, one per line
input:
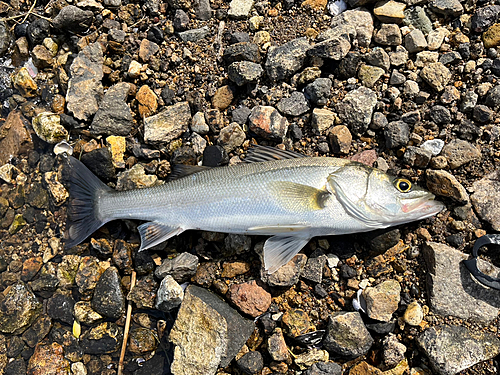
<point x="127" y="326"/>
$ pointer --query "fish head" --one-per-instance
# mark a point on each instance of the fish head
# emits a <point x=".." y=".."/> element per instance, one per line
<point x="379" y="199"/>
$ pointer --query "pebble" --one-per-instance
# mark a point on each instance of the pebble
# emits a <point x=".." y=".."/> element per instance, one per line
<point x="322" y="119"/>
<point x="168" y="124"/>
<point x="296" y="322"/>
<point x="334" y="49"/>
<point x="243" y="72"/>
<point x="48" y="359"/>
<point x="388" y="35"/>
<point x="84" y="313"/>
<point x="346" y="335"/>
<point x="414" y="314"/>
<point x="23" y="82"/>
<point x="313" y="270"/>
<point x="181" y="268"/>
<point x="231" y="137"/>
<point x="143" y="294"/>
<point x="276" y="346"/>
<point x="147" y="101"/>
<point x="417" y="157"/>
<point x="108" y="299"/>
<point x="483" y="17"/>
<point x="417" y="17"/>
<point x="382" y="300"/>
<point x="451" y="348"/>
<point x="389" y="11"/>
<point x="103" y="339"/>
<point x="486" y="200"/>
<point x="142" y="340"/>
<point x="18" y="309"/>
<point x="324" y="368"/>
<point x="361" y="20"/>
<point x="459" y="152"/>
<point x="135" y="178"/>
<point x="265" y="121"/>
<point x="48" y="127"/>
<point x="100" y="163"/>
<point x="399" y="56"/>
<point x="443" y="183"/>
<point x="17" y="140"/>
<point x="223" y="97"/>
<point x="448" y="8"/>
<point x="436" y="37"/>
<point x="318" y="91"/>
<point x="250" y="298"/>
<point x="435" y="146"/>
<point x="393" y="352"/>
<point x="60" y="307"/>
<point x="415" y="41"/>
<point x="194" y="35"/>
<point x="287" y="275"/>
<point x="240" y="9"/>
<point x="251" y="363"/>
<point x="295" y="105"/>
<point x="242" y="51"/>
<point x="450" y="293"/>
<point x="233" y="269"/>
<point x="306" y="359"/>
<point x="356" y="109"/>
<point x="397" y="134"/>
<point x="369" y="75"/>
<point x="283" y="61"/>
<point x="436" y="75"/>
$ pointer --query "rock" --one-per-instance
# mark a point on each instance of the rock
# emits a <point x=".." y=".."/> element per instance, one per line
<point x="48" y="127"/>
<point x="23" y="82"/>
<point x="414" y="314"/>
<point x="356" y="109"/>
<point x="436" y="75"/>
<point x="102" y="339"/>
<point x="231" y="137"/>
<point x="276" y="346"/>
<point x="135" y="178"/>
<point x="287" y="275"/>
<point x="397" y="134"/>
<point x="340" y="139"/>
<point x="417" y="157"/>
<point x="142" y="340"/>
<point x="16" y="138"/>
<point x="486" y="200"/>
<point x="346" y="335"/>
<point x="181" y="20"/>
<point x="116" y="146"/>
<point x="313" y="270"/>
<point x="223" y="97"/>
<point x="452" y="294"/>
<point x="169" y="295"/>
<point x="37" y="31"/>
<point x="48" y="359"/>
<point x="182" y="267"/>
<point x="382" y="300"/>
<point x="167" y="124"/>
<point x="448" y="8"/>
<point x="451" y="349"/>
<point x="415" y="41"/>
<point x="484" y="17"/>
<point x="442" y="183"/>
<point x="440" y="114"/>
<point x="296" y="322"/>
<point x="433" y="145"/>
<point x="74" y="19"/>
<point x="147" y="101"/>
<point x="250" y="298"/>
<point x="266" y="122"/>
<point x="42" y="58"/>
<point x="388" y="35"/>
<point x="251" y="363"/>
<point x="243" y="51"/>
<point x="85" y="89"/>
<point x="38" y="330"/>
<point x="389" y="11"/>
<point x="436" y="37"/>
<point x="469" y="101"/>
<point x="240" y="9"/>
<point x="243" y="72"/>
<point x="361" y="20"/>
<point x="482" y="114"/>
<point x="285" y="60"/>
<point x="5" y="38"/>
<point x="399" y="57"/>
<point x="322" y="119"/>
<point x="194" y="35"/>
<point x="203" y="10"/>
<point x="295" y="105"/>
<point x="369" y="75"/>
<point x="334" y="49"/>
<point x="318" y="92"/>
<point x="416" y="17"/>
<point x="18" y="309"/>
<point x="100" y="163"/>
<point x="240" y="115"/>
<point x="378" y="57"/>
<point x="57" y="190"/>
<point x="207" y="333"/>
<point x="393" y="351"/>
<point x="324" y="368"/>
<point x="459" y="152"/>
<point x="88" y="274"/>
<point x="60" y="306"/>
<point x="108" y="299"/>
<point x="84" y="314"/>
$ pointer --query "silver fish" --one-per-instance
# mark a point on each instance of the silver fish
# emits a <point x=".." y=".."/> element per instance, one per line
<point x="275" y="193"/>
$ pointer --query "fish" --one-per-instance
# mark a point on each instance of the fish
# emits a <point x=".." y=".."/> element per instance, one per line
<point x="277" y="193"/>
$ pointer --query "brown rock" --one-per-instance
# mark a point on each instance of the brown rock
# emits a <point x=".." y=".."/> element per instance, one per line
<point x="147" y="49"/>
<point x="16" y="137"/>
<point x="24" y="83"/>
<point x="276" y="346"/>
<point x="31" y="267"/>
<point x="223" y="97"/>
<point x="486" y="199"/>
<point x="232" y="269"/>
<point x="42" y="58"/>
<point x="367" y="157"/>
<point x="148" y="101"/>
<point x="315" y="4"/>
<point x="442" y="183"/>
<point x="364" y="368"/>
<point x="382" y="300"/>
<point x="297" y="322"/>
<point x="266" y="122"/>
<point x="250" y="298"/>
<point x="491" y="37"/>
<point x="459" y="152"/>
<point x="340" y="139"/>
<point x="48" y="359"/>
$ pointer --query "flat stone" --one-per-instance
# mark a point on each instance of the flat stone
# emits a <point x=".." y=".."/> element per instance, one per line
<point x="369" y="75"/>
<point x="417" y="157"/>
<point x="73" y="19"/>
<point x="266" y="122"/>
<point x="84" y="313"/>
<point x="416" y="17"/>
<point x="194" y="35"/>
<point x="334" y="49"/>
<point x="114" y="116"/>
<point x="322" y="119"/>
<point x="448" y="8"/>
<point x="147" y="49"/>
<point x="324" y="368"/>
<point x="382" y="300"/>
<point x="286" y="275"/>
<point x="356" y="109"/>
<point x="397" y="134"/>
<point x="388" y="35"/>
<point x="483" y="17"/>
<point x="243" y="72"/>
<point x="436" y="75"/>
<point x="167" y="124"/>
<point x="182" y="267"/>
<point x="250" y="298"/>
<point x="459" y="152"/>
<point x="443" y="183"/>
<point x="48" y="359"/>
<point x="415" y="41"/>
<point x="436" y="37"/>
<point x="453" y="290"/>
<point x="18" y="309"/>
<point x="240" y="9"/>
<point x="389" y="11"/>
<point x="451" y="349"/>
<point x="486" y="200"/>
<point x="223" y="97"/>
<point x="283" y="61"/>
<point x="361" y="20"/>
<point x="243" y="51"/>
<point x="207" y="333"/>
<point x="16" y="140"/>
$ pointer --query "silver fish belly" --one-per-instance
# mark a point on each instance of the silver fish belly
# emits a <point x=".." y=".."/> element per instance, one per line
<point x="291" y="199"/>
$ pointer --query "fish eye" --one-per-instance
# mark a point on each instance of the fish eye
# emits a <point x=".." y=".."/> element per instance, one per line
<point x="403" y="185"/>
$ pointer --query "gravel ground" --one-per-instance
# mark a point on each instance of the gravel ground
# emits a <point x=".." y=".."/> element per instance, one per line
<point x="134" y="88"/>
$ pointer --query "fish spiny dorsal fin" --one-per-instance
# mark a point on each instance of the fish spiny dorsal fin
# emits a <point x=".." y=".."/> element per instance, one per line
<point x="183" y="170"/>
<point x="257" y="154"/>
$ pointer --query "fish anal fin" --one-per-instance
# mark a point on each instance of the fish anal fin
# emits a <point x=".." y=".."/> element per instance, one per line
<point x="154" y="233"/>
<point x="183" y="170"/>
<point x="279" y="250"/>
<point x="257" y="154"/>
<point x="299" y="198"/>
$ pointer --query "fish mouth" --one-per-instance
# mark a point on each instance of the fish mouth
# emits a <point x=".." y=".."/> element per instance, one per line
<point x="423" y="207"/>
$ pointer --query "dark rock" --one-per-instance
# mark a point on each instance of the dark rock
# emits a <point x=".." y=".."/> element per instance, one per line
<point x="450" y="58"/>
<point x="74" y="19"/>
<point x="356" y="109"/>
<point x="348" y="66"/>
<point x="382" y="328"/>
<point x="382" y="240"/>
<point x="18" y="309"/>
<point x="60" y="306"/>
<point x="5" y="38"/>
<point x="240" y="115"/>
<point x="194" y="35"/>
<point x="37" y="31"/>
<point x="214" y="156"/>
<point x="181" y="20"/>
<point x="103" y="339"/>
<point x="313" y="269"/>
<point x="324" y="368"/>
<point x="448" y="8"/>
<point x="142" y="340"/>
<point x="484" y="17"/>
<point x="182" y="267"/>
<point x="155" y="35"/>
<point x="16" y="367"/>
<point x="15" y="345"/>
<point x="37" y="332"/>
<point x="167" y="94"/>
<point x="283" y="61"/>
<point x="295" y="105"/>
<point x="239" y="37"/>
<point x="203" y="10"/>
<point x="100" y="162"/>
<point x="493" y="97"/>
<point x="379" y="121"/>
<point x="318" y="92"/>
<point x="108" y="299"/>
<point x="482" y="113"/>
<point x="411" y="117"/>
<point x="243" y="72"/>
<point x="440" y="114"/>
<point x="21" y="30"/>
<point x="143" y="262"/>
<point x="397" y="134"/>
<point x="144" y="292"/>
<point x="251" y="363"/>
<point x="243" y="51"/>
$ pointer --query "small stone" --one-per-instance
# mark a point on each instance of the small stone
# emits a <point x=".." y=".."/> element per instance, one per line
<point x="389" y="11"/>
<point x="194" y="35"/>
<point x="379" y="121"/>
<point x="223" y="97"/>
<point x="426" y="57"/>
<point x="378" y="57"/>
<point x="295" y="105"/>
<point x="143" y="294"/>
<point x="233" y="269"/>
<point x="147" y="101"/>
<point x="313" y="270"/>
<point x="84" y="313"/>
<point x="243" y="72"/>
<point x="356" y="109"/>
<point x="324" y="368"/>
<point x="231" y="137"/>
<point x="266" y="122"/>
<point x="198" y="124"/>
<point x="393" y="351"/>
<point x="322" y="119"/>
<point x="243" y="51"/>
<point x="369" y="75"/>
<point x="88" y="274"/>
<point x="436" y="37"/>
<point x="251" y="363"/>
<point x="433" y="145"/>
<point x="440" y="114"/>
<point x="486" y="200"/>
<point x="436" y="75"/>
<point x="18" y="309"/>
<point x="397" y="134"/>
<point x="134" y="69"/>
<point x="108" y="299"/>
<point x="452" y="349"/>
<point x="181" y="268"/>
<point x="442" y="183"/>
<point x="17" y="224"/>
<point x="60" y="306"/>
<point x="117" y="147"/>
<point x="283" y="61"/>
<point x="484" y="17"/>
<point x="414" y="314"/>
<point x="16" y="139"/>
<point x="469" y="101"/>
<point x="382" y="300"/>
<point x="399" y="56"/>
<point x="48" y="359"/>
<point x="334" y="49"/>
<point x="142" y="340"/>
<point x="48" y="127"/>
<point x="181" y="20"/>
<point x="276" y="346"/>
<point x="361" y="20"/>
<point x="318" y="92"/>
<point x="297" y="322"/>
<point x="240" y="9"/>
<point x="287" y="275"/>
<point x="72" y="18"/>
<point x="42" y="57"/>
<point x="417" y="17"/>
<point x="415" y="41"/>
<point x="102" y="339"/>
<point x="23" y="82"/>
<point x="417" y="157"/>
<point x="167" y="124"/>
<point x="459" y="152"/>
<point x="99" y="162"/>
<point x="250" y="298"/>
<point x="135" y="178"/>
<point x="397" y="78"/>
<point x="388" y="35"/>
<point x="482" y="113"/>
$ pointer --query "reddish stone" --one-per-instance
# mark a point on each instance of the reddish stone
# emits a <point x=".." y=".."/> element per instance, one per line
<point x="250" y="298"/>
<point x="48" y="359"/>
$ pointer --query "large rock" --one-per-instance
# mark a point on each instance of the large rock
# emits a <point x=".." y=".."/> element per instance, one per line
<point x="453" y="290"/>
<point x="361" y="20"/>
<point x="48" y="359"/>
<point x="283" y="61"/>
<point x="85" y="89"/>
<point x="168" y="124"/>
<point x="18" y="309"/>
<point x="356" y="109"/>
<point x="113" y="116"/>
<point x="108" y="299"/>
<point x="459" y="152"/>
<point x="73" y="18"/>
<point x="207" y="333"/>
<point x="451" y="349"/>
<point x="486" y="199"/>
<point x="266" y="122"/>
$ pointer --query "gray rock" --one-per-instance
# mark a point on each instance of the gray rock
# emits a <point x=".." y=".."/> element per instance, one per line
<point x="345" y="31"/>
<point x="243" y="51"/>
<point x="484" y="17"/>
<point x="243" y="72"/>
<point x="379" y="121"/>
<point x="18" y="309"/>
<point x="102" y="339"/>
<point x="182" y="267"/>
<point x="378" y="57"/>
<point x="382" y="300"/>
<point x="266" y="122"/>
<point x="287" y="275"/>
<point x="203" y="10"/>
<point x="169" y="294"/>
<point x="397" y="134"/>
<point x="397" y="78"/>
<point x="451" y="349"/>
<point x="469" y="101"/>
<point x="240" y="9"/>
<point x="369" y="75"/>
<point x="459" y="152"/>
<point x="5" y="38"/>
<point x="168" y="124"/>
<point x="60" y="306"/>
<point x="283" y="61"/>
<point x="448" y="8"/>
<point x="346" y="335"/>
<point x="240" y="114"/>
<point x="389" y="35"/>
<point x="452" y="57"/>
<point x="453" y="290"/>
<point x="313" y="270"/>
<point x="207" y="333"/>
<point x="442" y="183"/>
<point x="416" y="17"/>
<point x="482" y="113"/>
<point x="231" y="136"/>
<point x="324" y="368"/>
<point x="417" y="157"/>
<point x="85" y="89"/>
<point x="436" y="75"/>
<point x="199" y="124"/>
<point x="237" y="243"/>
<point x="318" y="91"/>
<point x="108" y="299"/>
<point x="440" y="115"/>
<point x="415" y="41"/>
<point x="356" y="109"/>
<point x="113" y="116"/>
<point x="435" y="146"/>
<point x="295" y="105"/>
<point x="181" y="20"/>
<point x="493" y="97"/>
<point x="251" y="363"/>
<point x="361" y="20"/>
<point x="393" y="351"/>
<point x="486" y="199"/>
<point x="194" y="35"/>
<point x="334" y="49"/>
<point x="73" y="18"/>
<point x="399" y="56"/>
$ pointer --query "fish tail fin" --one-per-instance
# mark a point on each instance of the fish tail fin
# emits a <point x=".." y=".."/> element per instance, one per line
<point x="82" y="215"/>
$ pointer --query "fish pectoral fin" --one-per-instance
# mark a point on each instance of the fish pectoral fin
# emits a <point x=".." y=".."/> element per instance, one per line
<point x="257" y="154"/>
<point x="271" y="230"/>
<point x="183" y="170"/>
<point x="279" y="250"/>
<point x="154" y="232"/>
<point x="297" y="197"/>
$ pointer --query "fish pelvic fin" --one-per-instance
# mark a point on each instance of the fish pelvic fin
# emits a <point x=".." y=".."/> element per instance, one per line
<point x="85" y="190"/>
<point x="279" y="250"/>
<point x="154" y="233"/>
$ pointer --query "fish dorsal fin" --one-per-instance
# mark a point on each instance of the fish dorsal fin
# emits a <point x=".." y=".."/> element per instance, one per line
<point x="279" y="250"/>
<point x="257" y="154"/>
<point x="154" y="233"/>
<point x="297" y="197"/>
<point x="183" y="170"/>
